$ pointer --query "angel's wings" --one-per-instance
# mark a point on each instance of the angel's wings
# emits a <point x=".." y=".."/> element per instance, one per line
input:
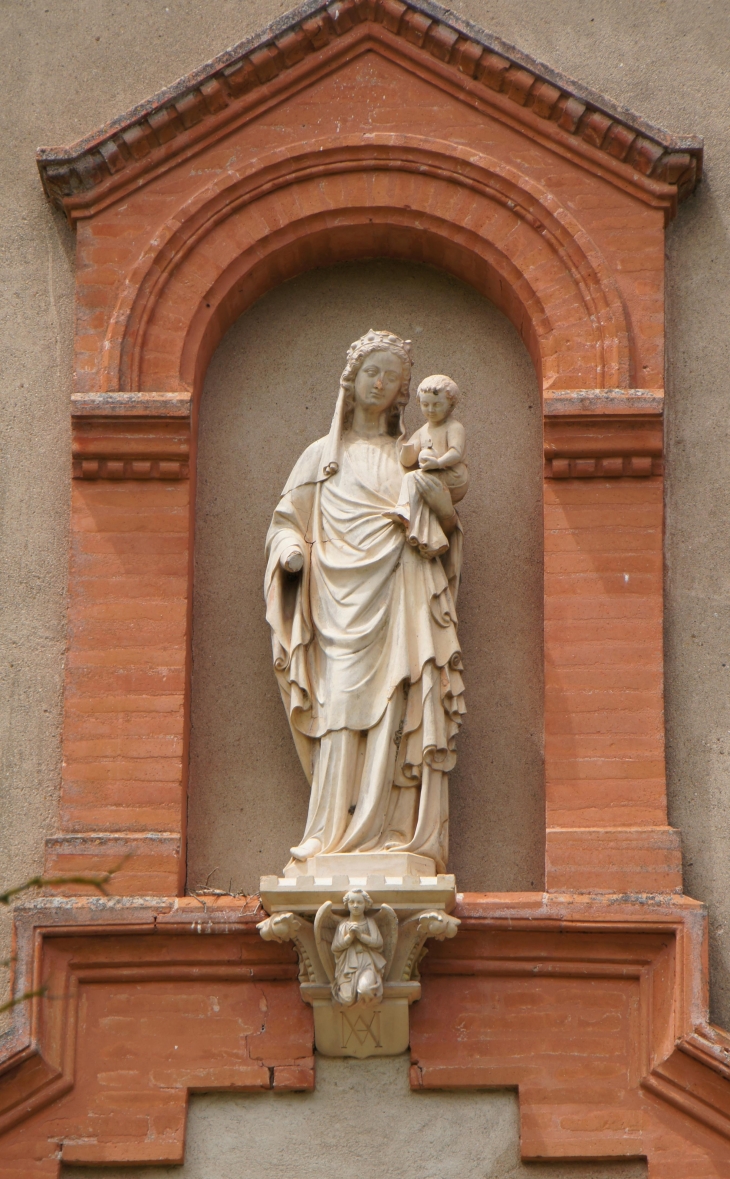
<point x="325" y="926"/>
<point x="387" y="923"/>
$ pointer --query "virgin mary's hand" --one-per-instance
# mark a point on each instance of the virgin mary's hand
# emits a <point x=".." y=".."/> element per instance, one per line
<point x="292" y="561"/>
<point x="436" y="496"/>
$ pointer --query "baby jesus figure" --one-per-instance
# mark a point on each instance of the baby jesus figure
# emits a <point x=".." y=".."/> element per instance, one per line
<point x="439" y="447"/>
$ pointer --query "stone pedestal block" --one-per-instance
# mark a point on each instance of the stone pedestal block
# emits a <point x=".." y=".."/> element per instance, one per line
<point x="362" y="1031"/>
<point x="362" y="865"/>
<point x="407" y="894"/>
<point x="359" y="939"/>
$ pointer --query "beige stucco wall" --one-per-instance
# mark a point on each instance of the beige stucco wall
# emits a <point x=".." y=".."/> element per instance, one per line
<point x="69" y="65"/>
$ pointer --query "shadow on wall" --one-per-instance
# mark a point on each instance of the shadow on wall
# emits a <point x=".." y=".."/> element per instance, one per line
<point x="429" y="1135"/>
<point x="270" y="390"/>
<point x="697" y="642"/>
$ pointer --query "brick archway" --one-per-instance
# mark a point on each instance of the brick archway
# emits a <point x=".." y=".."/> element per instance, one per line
<point x="356" y="129"/>
<point x="480" y="220"/>
<point x="165" y="271"/>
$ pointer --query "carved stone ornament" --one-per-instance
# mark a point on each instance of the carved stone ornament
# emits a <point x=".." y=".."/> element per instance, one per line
<point x="358" y="968"/>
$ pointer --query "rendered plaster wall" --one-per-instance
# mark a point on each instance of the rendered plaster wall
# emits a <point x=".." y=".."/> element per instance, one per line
<point x="427" y="1135"/>
<point x="69" y="65"/>
<point x="669" y="59"/>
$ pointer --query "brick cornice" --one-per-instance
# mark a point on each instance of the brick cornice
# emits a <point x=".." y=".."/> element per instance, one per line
<point x="647" y="156"/>
<point x="131" y="435"/>
<point x="603" y="433"/>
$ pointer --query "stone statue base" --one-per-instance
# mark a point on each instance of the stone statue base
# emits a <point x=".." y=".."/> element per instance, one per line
<point x="327" y="878"/>
<point x="362" y="864"/>
<point x="359" y="972"/>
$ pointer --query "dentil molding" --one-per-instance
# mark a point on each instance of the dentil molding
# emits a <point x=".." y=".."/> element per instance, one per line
<point x="131" y="435"/>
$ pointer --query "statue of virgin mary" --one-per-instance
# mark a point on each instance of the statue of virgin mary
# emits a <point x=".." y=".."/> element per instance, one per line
<point x="364" y="627"/>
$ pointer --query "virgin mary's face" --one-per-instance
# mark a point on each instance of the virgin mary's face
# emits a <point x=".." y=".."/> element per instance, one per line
<point x="378" y="382"/>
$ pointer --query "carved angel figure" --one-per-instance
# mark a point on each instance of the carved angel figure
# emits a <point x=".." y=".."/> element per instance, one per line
<point x="351" y="948"/>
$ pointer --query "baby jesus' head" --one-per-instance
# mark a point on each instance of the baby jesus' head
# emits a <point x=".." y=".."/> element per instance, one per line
<point x="437" y="396"/>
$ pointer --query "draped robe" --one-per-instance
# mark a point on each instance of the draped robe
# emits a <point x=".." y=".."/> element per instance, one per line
<point x="366" y="654"/>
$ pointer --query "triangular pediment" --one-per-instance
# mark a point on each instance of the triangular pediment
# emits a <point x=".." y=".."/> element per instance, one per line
<point x="517" y="88"/>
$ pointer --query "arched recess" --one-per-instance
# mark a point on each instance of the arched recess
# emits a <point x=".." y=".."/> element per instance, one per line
<point x="472" y="216"/>
<point x="481" y="220"/>
<point x="269" y="389"/>
<point x="475" y="217"/>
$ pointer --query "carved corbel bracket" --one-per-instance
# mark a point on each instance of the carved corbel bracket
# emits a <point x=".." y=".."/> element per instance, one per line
<point x="131" y="435"/>
<point x="378" y="1027"/>
<point x="603" y="433"/>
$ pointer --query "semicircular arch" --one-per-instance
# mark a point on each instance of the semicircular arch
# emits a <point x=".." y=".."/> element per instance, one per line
<point x="474" y="217"/>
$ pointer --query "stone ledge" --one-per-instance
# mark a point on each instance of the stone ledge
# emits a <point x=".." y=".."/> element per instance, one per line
<point x="406" y="894"/>
<point x="598" y="402"/>
<point x="115" y="405"/>
<point x="557" y="949"/>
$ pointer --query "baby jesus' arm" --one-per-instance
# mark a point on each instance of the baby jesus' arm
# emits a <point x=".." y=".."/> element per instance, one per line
<point x="456" y="445"/>
<point x="411" y="449"/>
